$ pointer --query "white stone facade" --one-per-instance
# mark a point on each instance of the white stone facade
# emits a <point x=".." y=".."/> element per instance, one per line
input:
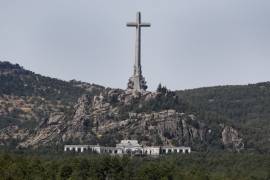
<point x="131" y="147"/>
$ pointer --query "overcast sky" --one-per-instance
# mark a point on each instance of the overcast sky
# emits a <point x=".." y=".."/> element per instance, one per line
<point x="192" y="43"/>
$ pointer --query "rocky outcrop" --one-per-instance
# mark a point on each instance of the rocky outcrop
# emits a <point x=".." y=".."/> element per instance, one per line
<point x="49" y="132"/>
<point x="59" y="129"/>
<point x="232" y="139"/>
<point x="109" y="117"/>
<point x="36" y="110"/>
<point x="12" y="133"/>
<point x="166" y="127"/>
<point x="78" y="129"/>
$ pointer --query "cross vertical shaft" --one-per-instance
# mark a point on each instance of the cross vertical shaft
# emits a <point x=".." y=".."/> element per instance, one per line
<point x="137" y="82"/>
<point x="138" y="45"/>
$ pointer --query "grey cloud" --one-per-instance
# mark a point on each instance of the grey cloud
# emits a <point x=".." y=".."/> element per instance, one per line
<point x="191" y="43"/>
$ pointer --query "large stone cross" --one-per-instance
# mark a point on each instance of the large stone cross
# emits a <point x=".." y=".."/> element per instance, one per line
<point x="138" y="80"/>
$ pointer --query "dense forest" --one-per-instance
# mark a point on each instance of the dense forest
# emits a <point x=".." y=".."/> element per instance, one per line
<point x="197" y="166"/>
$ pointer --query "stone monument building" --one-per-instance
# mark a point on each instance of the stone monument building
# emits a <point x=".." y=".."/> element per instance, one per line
<point x="137" y="82"/>
<point x="130" y="147"/>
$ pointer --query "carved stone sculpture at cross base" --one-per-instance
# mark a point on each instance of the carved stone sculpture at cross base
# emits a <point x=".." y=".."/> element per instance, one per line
<point x="137" y="82"/>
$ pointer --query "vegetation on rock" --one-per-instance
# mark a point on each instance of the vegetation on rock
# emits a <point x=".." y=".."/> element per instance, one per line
<point x="34" y="107"/>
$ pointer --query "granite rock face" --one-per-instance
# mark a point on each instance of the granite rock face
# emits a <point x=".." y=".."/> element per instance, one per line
<point x="231" y="138"/>
<point x="166" y="127"/>
<point x="12" y="133"/>
<point x="108" y="117"/>
<point x="103" y="116"/>
<point x="59" y="129"/>
<point x="49" y="132"/>
<point x="78" y="128"/>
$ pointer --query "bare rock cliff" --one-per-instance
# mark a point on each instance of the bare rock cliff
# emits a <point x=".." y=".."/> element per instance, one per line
<point x="109" y="117"/>
<point x="231" y="138"/>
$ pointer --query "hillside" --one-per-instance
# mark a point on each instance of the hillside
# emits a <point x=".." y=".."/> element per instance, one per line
<point x="38" y="111"/>
<point x="26" y="99"/>
<point x="246" y="107"/>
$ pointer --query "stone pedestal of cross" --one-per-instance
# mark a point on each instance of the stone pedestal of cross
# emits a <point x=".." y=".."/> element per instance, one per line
<point x="137" y="81"/>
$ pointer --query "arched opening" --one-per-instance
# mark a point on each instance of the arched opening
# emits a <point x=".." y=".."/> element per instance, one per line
<point x="146" y="152"/>
<point x="128" y="151"/>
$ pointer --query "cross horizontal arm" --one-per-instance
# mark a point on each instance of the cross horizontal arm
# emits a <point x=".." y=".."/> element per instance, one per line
<point x="132" y="24"/>
<point x="145" y="24"/>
